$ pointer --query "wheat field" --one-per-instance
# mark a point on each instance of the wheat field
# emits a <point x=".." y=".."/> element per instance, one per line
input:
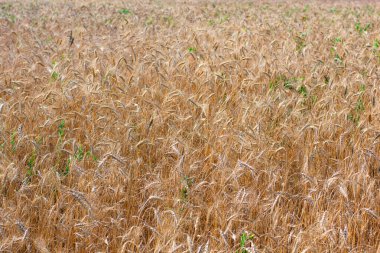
<point x="189" y="126"/>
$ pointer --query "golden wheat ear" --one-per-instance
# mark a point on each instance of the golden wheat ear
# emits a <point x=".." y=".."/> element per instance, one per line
<point x="189" y="126"/>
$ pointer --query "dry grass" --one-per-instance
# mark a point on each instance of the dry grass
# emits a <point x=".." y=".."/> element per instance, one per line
<point x="181" y="127"/>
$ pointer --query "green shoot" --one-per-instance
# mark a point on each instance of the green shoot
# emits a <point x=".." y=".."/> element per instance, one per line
<point x="67" y="167"/>
<point x="362" y="88"/>
<point x="5" y="9"/>
<point x="244" y="238"/>
<point x="79" y="154"/>
<point x="314" y="99"/>
<point x="61" y="130"/>
<point x="302" y="90"/>
<point x="187" y="183"/>
<point x="354" y="116"/>
<point x="326" y="79"/>
<point x="376" y="44"/>
<point x="124" y="11"/>
<point x="169" y="20"/>
<point x="289" y="83"/>
<point x="55" y="75"/>
<point x="367" y="27"/>
<point x="91" y="155"/>
<point x="333" y="10"/>
<point x="13" y="141"/>
<point x="337" y="40"/>
<point x="211" y="22"/>
<point x="184" y="193"/>
<point x="30" y="163"/>
<point x="360" y="29"/>
<point x="273" y="84"/>
<point x="11" y="18"/>
<point x="149" y="21"/>
<point x="338" y="59"/>
<point x="300" y="42"/>
<point x="359" y="108"/>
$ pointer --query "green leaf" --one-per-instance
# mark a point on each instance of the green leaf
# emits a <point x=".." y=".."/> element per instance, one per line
<point x="13" y="141"/>
<point x="338" y="59"/>
<point x="61" y="129"/>
<point x="376" y="44"/>
<point x="362" y="88"/>
<point x="358" y="27"/>
<point x="367" y="27"/>
<point x="184" y="193"/>
<point x="79" y="154"/>
<point x="124" y="11"/>
<point x="90" y="154"/>
<point x="288" y="83"/>
<point x="149" y="21"/>
<point x="55" y="75"/>
<point x="243" y="239"/>
<point x="337" y="40"/>
<point x="302" y="90"/>
<point x="359" y="106"/>
<point x="67" y="167"/>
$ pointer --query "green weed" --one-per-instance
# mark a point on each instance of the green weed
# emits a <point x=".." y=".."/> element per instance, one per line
<point x="300" y="42"/>
<point x="187" y="182"/>
<point x="67" y="167"/>
<point x="124" y="11"/>
<point x="362" y="88"/>
<point x="294" y="10"/>
<point x="79" y="154"/>
<point x="11" y="18"/>
<point x="54" y="75"/>
<point x="169" y="20"/>
<point x="211" y="22"/>
<point x="359" y="108"/>
<point x="276" y="82"/>
<point x="337" y="40"/>
<point x="149" y="21"/>
<point x="333" y="10"/>
<point x="338" y="59"/>
<point x="361" y="29"/>
<point x="354" y="116"/>
<point x="30" y="163"/>
<point x="376" y="44"/>
<point x="5" y="12"/>
<point x="244" y="238"/>
<point x="287" y="83"/>
<point x="302" y="90"/>
<point x="13" y="141"/>
<point x="314" y="99"/>
<point x="91" y="155"/>
<point x="61" y="130"/>
<point x="326" y="79"/>
<point x="291" y="82"/>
